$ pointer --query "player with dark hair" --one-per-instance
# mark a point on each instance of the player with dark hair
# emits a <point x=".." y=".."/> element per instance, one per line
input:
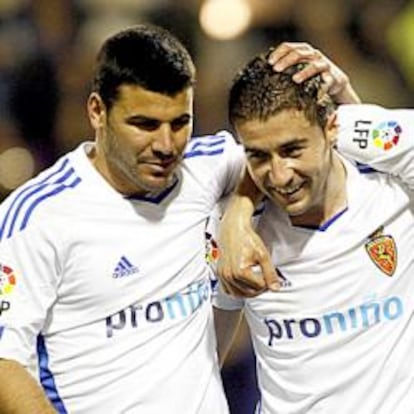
<point x="154" y="60"/>
<point x="104" y="288"/>
<point x="338" y="333"/>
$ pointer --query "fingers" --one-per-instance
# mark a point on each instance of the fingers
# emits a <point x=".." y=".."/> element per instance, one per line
<point x="251" y="281"/>
<point x="242" y="283"/>
<point x="288" y="54"/>
<point x="312" y="69"/>
<point x="270" y="275"/>
<point x="336" y="82"/>
<point x="239" y="290"/>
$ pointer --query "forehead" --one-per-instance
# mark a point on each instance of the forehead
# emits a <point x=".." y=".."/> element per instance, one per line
<point x="134" y="100"/>
<point x="282" y="128"/>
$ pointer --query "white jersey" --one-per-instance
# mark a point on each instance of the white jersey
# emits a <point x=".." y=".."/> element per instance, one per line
<point x="108" y="297"/>
<point x="339" y="335"/>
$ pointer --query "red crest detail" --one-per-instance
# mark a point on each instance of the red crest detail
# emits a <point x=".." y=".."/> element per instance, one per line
<point x="383" y="252"/>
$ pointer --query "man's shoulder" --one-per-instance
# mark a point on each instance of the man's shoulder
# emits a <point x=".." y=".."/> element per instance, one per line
<point x="211" y="146"/>
<point x="44" y="197"/>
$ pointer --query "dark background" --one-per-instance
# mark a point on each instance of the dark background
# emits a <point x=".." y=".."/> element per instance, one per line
<point x="47" y="48"/>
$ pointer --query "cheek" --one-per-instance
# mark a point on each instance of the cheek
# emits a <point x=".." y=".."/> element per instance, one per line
<point x="182" y="138"/>
<point x="257" y="172"/>
<point x="135" y="141"/>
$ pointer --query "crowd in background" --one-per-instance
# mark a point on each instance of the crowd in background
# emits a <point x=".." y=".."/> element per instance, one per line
<point x="47" y="50"/>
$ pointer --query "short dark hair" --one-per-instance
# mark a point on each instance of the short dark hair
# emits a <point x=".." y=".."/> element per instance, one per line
<point x="144" y="55"/>
<point x="258" y="92"/>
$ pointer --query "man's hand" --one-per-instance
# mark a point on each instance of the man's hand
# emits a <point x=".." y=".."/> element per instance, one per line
<point x="336" y="83"/>
<point x="245" y="266"/>
<point x="248" y="271"/>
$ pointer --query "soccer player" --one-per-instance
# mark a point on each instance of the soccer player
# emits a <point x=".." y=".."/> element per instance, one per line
<point x="104" y="290"/>
<point x="338" y="335"/>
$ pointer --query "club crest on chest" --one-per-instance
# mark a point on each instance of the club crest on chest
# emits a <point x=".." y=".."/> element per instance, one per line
<point x="382" y="250"/>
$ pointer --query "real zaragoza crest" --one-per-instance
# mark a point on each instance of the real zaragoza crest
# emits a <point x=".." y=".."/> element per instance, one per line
<point x="382" y="250"/>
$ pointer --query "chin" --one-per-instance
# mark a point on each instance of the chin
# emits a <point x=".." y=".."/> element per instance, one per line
<point x="158" y="184"/>
<point x="296" y="210"/>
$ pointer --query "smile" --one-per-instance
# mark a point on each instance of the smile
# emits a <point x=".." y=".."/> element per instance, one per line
<point x="288" y="191"/>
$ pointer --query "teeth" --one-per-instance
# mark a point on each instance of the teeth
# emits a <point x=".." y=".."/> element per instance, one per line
<point x="288" y="191"/>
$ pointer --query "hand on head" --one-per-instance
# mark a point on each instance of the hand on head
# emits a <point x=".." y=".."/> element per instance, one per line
<point x="336" y="82"/>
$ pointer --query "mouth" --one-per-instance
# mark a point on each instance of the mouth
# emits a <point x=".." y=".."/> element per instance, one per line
<point x="289" y="194"/>
<point x="288" y="191"/>
<point x="161" y="166"/>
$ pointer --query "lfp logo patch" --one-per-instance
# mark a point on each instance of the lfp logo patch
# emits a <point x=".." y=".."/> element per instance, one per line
<point x="7" y="280"/>
<point x="386" y="135"/>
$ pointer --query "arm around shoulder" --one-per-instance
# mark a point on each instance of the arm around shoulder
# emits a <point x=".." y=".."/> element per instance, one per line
<point x="19" y="391"/>
<point x="241" y="248"/>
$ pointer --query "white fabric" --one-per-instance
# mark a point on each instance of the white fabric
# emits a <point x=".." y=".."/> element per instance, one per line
<point x="339" y="335"/>
<point x="113" y="294"/>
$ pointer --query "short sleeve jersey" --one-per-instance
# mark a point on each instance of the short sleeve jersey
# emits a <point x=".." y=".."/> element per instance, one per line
<point x="107" y="298"/>
<point x="338" y="337"/>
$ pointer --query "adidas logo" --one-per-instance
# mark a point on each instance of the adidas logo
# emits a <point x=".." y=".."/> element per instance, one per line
<point x="284" y="282"/>
<point x="124" y="268"/>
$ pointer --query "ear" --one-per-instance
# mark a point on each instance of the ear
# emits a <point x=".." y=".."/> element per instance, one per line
<point x="331" y="129"/>
<point x="96" y="111"/>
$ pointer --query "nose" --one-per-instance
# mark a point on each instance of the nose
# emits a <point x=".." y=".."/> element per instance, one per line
<point x="281" y="172"/>
<point x="163" y="143"/>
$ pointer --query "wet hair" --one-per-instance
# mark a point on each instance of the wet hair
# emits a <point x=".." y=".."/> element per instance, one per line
<point x="258" y="92"/>
<point x="144" y="55"/>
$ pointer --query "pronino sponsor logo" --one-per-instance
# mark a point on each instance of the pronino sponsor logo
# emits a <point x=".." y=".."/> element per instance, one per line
<point x="178" y="306"/>
<point x="124" y="268"/>
<point x="360" y="317"/>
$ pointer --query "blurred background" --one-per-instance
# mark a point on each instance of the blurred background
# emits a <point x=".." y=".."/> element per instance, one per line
<point x="47" y="50"/>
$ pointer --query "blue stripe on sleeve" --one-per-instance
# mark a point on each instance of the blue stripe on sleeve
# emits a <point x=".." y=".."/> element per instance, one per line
<point x="30" y="197"/>
<point x="38" y="200"/>
<point x="28" y="188"/>
<point x="203" y="153"/>
<point x="205" y="146"/>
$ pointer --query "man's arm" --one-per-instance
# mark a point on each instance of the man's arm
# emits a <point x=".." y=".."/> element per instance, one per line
<point x="19" y="392"/>
<point x="379" y="137"/>
<point x="247" y="254"/>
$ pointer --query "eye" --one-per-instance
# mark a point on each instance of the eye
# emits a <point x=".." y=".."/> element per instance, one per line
<point x="180" y="123"/>
<point x="257" y="155"/>
<point x="146" y="124"/>
<point x="292" y="151"/>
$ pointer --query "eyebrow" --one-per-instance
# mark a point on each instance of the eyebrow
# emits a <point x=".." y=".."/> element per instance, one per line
<point x="254" y="149"/>
<point x="292" y="141"/>
<point x="143" y="118"/>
